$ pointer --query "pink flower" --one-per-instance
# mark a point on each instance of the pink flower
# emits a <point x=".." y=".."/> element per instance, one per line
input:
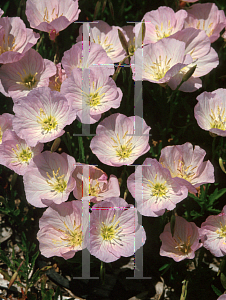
<point x="113" y="226"/>
<point x="5" y="123"/>
<point x="15" y="39"/>
<point x="222" y="297"/>
<point x="52" y="15"/>
<point x="161" y="23"/>
<point x="15" y="154"/>
<point x="90" y="98"/>
<point x="183" y="243"/>
<point x="154" y="189"/>
<point x="95" y="187"/>
<point x="107" y="36"/>
<point x="210" y="111"/>
<point x="207" y="17"/>
<point x="161" y="61"/>
<point x="56" y="80"/>
<point x="198" y="46"/>
<point x="61" y="230"/>
<point x="116" y="144"/>
<point x="29" y="72"/>
<point x="49" y="177"/>
<point x="97" y="58"/>
<point x="213" y="234"/>
<point x="41" y="116"/>
<point x="187" y="166"/>
<point x="1" y="12"/>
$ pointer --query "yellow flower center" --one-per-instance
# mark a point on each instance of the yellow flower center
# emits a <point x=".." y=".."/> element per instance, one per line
<point x="8" y="45"/>
<point x="201" y="25"/>
<point x="94" y="190"/>
<point x="158" y="69"/>
<point x="218" y="120"/>
<point x="222" y="231"/>
<point x="185" y="172"/>
<point x="72" y="237"/>
<point x="48" y="123"/>
<point x="53" y="15"/>
<point x="124" y="150"/>
<point x="107" y="46"/>
<point x="57" y="181"/>
<point x="160" y="33"/>
<point x="23" y="155"/>
<point x="94" y="99"/>
<point x="184" y="247"/>
<point x="28" y="80"/>
<point x="110" y="232"/>
<point x="158" y="189"/>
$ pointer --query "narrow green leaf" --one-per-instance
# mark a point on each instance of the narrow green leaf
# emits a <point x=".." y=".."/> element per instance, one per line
<point x="96" y="10"/>
<point x="111" y="9"/>
<point x="81" y="150"/>
<point x="216" y="291"/>
<point x="223" y="280"/>
<point x="33" y="259"/>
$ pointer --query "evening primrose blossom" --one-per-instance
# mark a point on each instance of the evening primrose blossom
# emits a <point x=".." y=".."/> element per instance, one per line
<point x="15" y="154"/>
<point x="32" y="71"/>
<point x="92" y="97"/>
<point x="61" y="230"/>
<point x="187" y="166"/>
<point x="213" y="233"/>
<point x="49" y="177"/>
<point x="161" y="23"/>
<point x="207" y="17"/>
<point x="41" y="116"/>
<point x="160" y="61"/>
<point x="116" y="144"/>
<point x="95" y="187"/>
<point x="113" y="227"/>
<point x="154" y="189"/>
<point x="210" y="111"/>
<point x="183" y="243"/>
<point x="51" y="16"/>
<point x="107" y="36"/>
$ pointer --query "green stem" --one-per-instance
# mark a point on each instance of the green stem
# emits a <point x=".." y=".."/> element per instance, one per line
<point x="102" y="272"/>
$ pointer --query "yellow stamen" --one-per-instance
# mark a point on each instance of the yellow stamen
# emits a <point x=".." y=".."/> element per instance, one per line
<point x="57" y="181"/>
<point x="48" y="123"/>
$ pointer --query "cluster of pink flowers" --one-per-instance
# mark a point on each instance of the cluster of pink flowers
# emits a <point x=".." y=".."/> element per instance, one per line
<point x="176" y="42"/>
<point x="47" y="97"/>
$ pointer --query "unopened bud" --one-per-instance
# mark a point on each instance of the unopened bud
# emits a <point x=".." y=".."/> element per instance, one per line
<point x="123" y="41"/>
<point x="55" y="145"/>
<point x="222" y="165"/>
<point x="189" y="73"/>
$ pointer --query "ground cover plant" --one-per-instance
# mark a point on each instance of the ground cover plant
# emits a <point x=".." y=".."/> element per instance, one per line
<point x="112" y="149"/>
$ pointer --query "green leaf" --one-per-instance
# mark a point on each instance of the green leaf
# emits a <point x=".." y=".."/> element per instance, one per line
<point x="216" y="291"/>
<point x="33" y="259"/>
<point x="97" y="8"/>
<point x="164" y="267"/>
<point x="223" y="280"/>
